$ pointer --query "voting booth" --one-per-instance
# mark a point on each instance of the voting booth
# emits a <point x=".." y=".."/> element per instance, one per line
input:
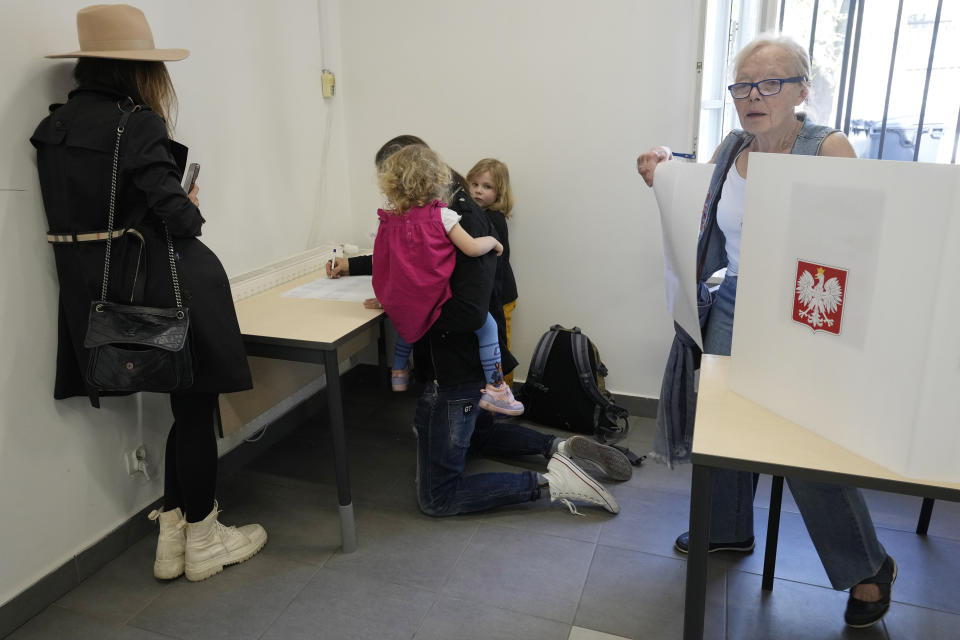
<point x="848" y="305"/>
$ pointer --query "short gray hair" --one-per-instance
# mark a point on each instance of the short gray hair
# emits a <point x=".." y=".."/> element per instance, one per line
<point x="798" y="55"/>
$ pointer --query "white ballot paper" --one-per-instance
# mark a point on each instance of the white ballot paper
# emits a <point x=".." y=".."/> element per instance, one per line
<point x="680" y="188"/>
<point x="351" y="289"/>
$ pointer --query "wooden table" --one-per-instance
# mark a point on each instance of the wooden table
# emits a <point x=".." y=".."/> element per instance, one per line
<point x="734" y="433"/>
<point x="318" y="331"/>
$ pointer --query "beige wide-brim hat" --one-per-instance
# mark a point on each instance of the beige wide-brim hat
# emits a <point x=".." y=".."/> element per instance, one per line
<point x="120" y="32"/>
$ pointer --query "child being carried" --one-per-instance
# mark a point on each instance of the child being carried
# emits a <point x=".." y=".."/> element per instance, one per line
<point x="413" y="259"/>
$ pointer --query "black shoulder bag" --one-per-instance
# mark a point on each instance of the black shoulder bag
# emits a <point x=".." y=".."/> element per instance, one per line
<point x="134" y="348"/>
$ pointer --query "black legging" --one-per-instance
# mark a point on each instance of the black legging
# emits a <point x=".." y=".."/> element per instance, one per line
<point x="190" y="479"/>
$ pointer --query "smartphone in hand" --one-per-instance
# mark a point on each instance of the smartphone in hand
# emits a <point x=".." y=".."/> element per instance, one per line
<point x="190" y="176"/>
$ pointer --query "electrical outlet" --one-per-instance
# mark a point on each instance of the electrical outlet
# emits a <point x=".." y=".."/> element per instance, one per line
<point x="135" y="460"/>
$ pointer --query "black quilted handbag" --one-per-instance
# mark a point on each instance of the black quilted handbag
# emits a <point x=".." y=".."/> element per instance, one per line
<point x="135" y="348"/>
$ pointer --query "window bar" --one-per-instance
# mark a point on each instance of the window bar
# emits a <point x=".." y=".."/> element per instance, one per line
<point x="893" y="60"/>
<point x="853" y="67"/>
<point x="926" y="84"/>
<point x="956" y="139"/>
<point x="813" y="28"/>
<point x="846" y="61"/>
<point x="729" y="55"/>
<point x="783" y="6"/>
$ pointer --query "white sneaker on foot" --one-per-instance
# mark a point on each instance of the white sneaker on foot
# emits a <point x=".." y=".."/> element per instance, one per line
<point x="568" y="482"/>
<point x="170" y="544"/>
<point x="590" y="454"/>
<point x="211" y="545"/>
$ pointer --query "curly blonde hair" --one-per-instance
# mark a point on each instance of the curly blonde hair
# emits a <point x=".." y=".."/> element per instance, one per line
<point x="412" y="177"/>
<point x="501" y="181"/>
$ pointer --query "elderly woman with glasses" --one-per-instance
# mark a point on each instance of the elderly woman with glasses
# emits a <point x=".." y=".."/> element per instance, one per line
<point x="772" y="78"/>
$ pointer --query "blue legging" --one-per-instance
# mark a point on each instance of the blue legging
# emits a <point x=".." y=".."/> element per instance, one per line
<point x="489" y="341"/>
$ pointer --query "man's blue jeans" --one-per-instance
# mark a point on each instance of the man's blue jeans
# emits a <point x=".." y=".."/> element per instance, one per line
<point x="448" y="424"/>
<point x="836" y="517"/>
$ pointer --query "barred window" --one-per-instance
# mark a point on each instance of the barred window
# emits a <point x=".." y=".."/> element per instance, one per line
<point x="885" y="72"/>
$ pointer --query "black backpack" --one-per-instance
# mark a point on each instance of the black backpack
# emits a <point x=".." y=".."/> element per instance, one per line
<point x="565" y="388"/>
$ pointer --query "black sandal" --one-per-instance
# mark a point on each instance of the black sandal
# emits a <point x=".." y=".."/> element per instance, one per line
<point x="859" y="613"/>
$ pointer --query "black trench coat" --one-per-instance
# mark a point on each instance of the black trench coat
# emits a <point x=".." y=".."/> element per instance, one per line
<point x="75" y="146"/>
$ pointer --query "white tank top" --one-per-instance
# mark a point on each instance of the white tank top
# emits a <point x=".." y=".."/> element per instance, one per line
<point x="730" y="216"/>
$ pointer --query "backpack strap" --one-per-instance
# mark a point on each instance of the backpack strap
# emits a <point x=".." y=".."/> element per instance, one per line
<point x="539" y="359"/>
<point x="581" y="359"/>
<point x="634" y="459"/>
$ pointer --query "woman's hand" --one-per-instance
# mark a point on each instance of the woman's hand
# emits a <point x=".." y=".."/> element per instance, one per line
<point x="194" y="195"/>
<point x="647" y="162"/>
<point x="372" y="303"/>
<point x="498" y="248"/>
<point x="341" y="268"/>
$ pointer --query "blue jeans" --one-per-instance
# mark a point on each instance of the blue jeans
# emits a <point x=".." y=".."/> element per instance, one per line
<point x="449" y="424"/>
<point x="836" y="517"/>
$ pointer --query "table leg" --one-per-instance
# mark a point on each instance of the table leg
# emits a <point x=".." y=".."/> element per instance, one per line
<point x="773" y="531"/>
<point x="926" y="509"/>
<point x="696" y="596"/>
<point x="348" y="531"/>
<point x="382" y="351"/>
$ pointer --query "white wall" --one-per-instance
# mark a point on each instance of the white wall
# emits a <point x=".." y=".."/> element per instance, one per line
<point x="567" y="93"/>
<point x="270" y="148"/>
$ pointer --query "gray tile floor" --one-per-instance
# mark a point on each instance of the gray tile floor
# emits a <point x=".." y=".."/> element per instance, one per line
<point x="528" y="572"/>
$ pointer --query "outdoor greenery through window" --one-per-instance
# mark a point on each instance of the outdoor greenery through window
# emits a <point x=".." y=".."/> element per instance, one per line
<point x="886" y="72"/>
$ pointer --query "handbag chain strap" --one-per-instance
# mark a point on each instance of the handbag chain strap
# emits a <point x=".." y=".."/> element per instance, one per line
<point x="112" y="209"/>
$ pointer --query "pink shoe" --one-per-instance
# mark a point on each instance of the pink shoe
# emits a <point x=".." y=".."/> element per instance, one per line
<point x="499" y="399"/>
<point x="400" y="378"/>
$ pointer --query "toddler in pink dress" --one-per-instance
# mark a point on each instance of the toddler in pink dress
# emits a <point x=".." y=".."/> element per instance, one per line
<point x="413" y="259"/>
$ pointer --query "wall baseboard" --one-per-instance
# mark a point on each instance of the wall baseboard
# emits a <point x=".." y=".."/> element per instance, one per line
<point x="71" y="573"/>
<point x="637" y="405"/>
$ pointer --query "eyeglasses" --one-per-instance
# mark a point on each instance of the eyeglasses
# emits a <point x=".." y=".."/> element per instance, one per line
<point x="768" y="87"/>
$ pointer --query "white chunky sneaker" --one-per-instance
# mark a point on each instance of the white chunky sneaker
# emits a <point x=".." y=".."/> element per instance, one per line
<point x="211" y="545"/>
<point x="592" y="455"/>
<point x="568" y="482"/>
<point x="170" y="545"/>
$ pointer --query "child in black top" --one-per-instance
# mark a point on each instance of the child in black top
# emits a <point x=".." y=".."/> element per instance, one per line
<point x="489" y="185"/>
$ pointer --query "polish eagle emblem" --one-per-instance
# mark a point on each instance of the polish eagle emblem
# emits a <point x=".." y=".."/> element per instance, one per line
<point x="818" y="302"/>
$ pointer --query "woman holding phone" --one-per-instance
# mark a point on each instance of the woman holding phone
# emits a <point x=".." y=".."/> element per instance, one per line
<point x="121" y="74"/>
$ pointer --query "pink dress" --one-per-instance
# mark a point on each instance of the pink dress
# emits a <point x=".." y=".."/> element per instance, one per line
<point x="412" y="262"/>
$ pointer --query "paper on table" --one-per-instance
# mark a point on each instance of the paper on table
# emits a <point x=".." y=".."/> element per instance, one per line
<point x="350" y="289"/>
<point x="680" y="188"/>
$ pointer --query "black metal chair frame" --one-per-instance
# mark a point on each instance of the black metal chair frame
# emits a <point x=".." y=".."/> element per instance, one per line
<point x="773" y="526"/>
